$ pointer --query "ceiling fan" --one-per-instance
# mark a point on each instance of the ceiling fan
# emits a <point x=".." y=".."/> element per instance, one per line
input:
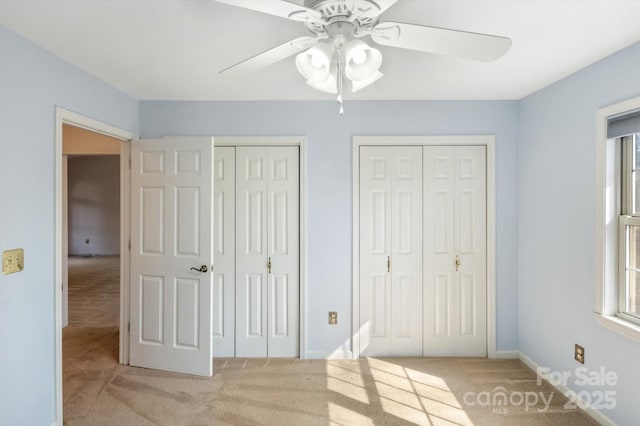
<point x="334" y="52"/>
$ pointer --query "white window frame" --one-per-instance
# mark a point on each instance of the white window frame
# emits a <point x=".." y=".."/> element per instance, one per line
<point x="627" y="217"/>
<point x="624" y="222"/>
<point x="609" y="231"/>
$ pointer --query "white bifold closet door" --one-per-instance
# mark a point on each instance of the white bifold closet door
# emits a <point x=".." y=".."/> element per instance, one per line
<point x="267" y="252"/>
<point x="391" y="251"/>
<point x="224" y="252"/>
<point x="455" y="316"/>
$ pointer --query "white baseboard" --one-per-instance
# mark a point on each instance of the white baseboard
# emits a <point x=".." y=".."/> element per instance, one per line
<point x="507" y="355"/>
<point x="595" y="414"/>
<point x="338" y="354"/>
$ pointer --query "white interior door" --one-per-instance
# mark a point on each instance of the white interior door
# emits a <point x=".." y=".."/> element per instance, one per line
<point x="171" y="235"/>
<point x="390" y="251"/>
<point x="224" y="248"/>
<point x="267" y="251"/>
<point x="455" y="251"/>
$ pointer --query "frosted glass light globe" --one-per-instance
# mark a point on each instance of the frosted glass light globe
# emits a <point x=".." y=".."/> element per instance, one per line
<point x="317" y="61"/>
<point x="359" y="57"/>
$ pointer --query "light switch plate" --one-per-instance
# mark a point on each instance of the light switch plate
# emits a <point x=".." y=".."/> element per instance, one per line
<point x="12" y="261"/>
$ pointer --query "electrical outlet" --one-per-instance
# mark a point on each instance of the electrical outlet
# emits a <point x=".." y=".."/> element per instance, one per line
<point x="579" y="354"/>
<point x="333" y="318"/>
<point x="86" y="241"/>
<point x="12" y="261"/>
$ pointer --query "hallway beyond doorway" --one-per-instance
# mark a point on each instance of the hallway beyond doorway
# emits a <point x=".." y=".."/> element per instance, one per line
<point x="94" y="291"/>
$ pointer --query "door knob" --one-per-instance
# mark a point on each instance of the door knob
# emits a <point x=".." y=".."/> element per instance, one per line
<point x="203" y="268"/>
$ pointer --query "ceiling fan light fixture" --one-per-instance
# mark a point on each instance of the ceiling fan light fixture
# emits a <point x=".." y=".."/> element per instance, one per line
<point x="359" y="57"/>
<point x="329" y="84"/>
<point x="361" y="61"/>
<point x="315" y="63"/>
<point x="359" y="85"/>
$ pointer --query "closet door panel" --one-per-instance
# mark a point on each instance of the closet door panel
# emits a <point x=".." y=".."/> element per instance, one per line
<point x="406" y="251"/>
<point x="224" y="252"/>
<point x="283" y="238"/>
<point x="375" y="249"/>
<point x="455" y="251"/>
<point x="251" y="251"/>
<point x="471" y="243"/>
<point x="390" y="251"/>
<point x="440" y="293"/>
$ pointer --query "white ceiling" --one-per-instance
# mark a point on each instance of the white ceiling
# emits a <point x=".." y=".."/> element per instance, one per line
<point x="173" y="49"/>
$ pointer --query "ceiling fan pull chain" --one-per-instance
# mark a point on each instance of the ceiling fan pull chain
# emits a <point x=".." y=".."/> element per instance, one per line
<point x="340" y="81"/>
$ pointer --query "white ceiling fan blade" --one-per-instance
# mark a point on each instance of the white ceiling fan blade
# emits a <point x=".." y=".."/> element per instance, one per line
<point x="280" y="8"/>
<point x="481" y="47"/>
<point x="370" y="9"/>
<point x="273" y="55"/>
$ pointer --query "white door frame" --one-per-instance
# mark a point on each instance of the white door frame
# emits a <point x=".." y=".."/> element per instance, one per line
<point x="64" y="116"/>
<point x="489" y="141"/>
<point x="301" y="142"/>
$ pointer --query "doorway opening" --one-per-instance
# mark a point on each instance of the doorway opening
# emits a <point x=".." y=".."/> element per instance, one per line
<point x="91" y="225"/>
<point x="91" y="252"/>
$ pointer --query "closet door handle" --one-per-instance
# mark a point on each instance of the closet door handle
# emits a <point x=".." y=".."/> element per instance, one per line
<point x="388" y="263"/>
<point x="269" y="265"/>
<point x="457" y="263"/>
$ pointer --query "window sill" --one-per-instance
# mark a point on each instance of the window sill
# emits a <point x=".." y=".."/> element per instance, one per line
<point x="620" y="326"/>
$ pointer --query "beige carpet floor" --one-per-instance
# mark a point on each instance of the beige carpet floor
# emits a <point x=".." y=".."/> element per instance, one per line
<point x="390" y="391"/>
<point x="94" y="291"/>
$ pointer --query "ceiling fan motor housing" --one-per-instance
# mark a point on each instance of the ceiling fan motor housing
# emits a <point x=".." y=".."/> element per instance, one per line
<point x="341" y="31"/>
<point x="335" y="11"/>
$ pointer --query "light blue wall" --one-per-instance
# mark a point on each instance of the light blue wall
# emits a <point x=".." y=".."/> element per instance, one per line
<point x="556" y="227"/>
<point x="545" y="206"/>
<point x="330" y="182"/>
<point x="32" y="83"/>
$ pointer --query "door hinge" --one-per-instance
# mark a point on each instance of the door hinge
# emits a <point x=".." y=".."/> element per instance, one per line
<point x="128" y="327"/>
<point x="129" y="244"/>
<point x="129" y="163"/>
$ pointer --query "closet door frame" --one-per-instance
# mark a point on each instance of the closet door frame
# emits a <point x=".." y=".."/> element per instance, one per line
<point x="488" y="141"/>
<point x="301" y="143"/>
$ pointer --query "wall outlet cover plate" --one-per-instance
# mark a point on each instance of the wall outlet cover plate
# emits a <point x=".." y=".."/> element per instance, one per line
<point x="12" y="261"/>
<point x="579" y="354"/>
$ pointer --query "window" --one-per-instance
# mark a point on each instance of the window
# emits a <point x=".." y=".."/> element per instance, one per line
<point x="629" y="235"/>
<point x="617" y="233"/>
